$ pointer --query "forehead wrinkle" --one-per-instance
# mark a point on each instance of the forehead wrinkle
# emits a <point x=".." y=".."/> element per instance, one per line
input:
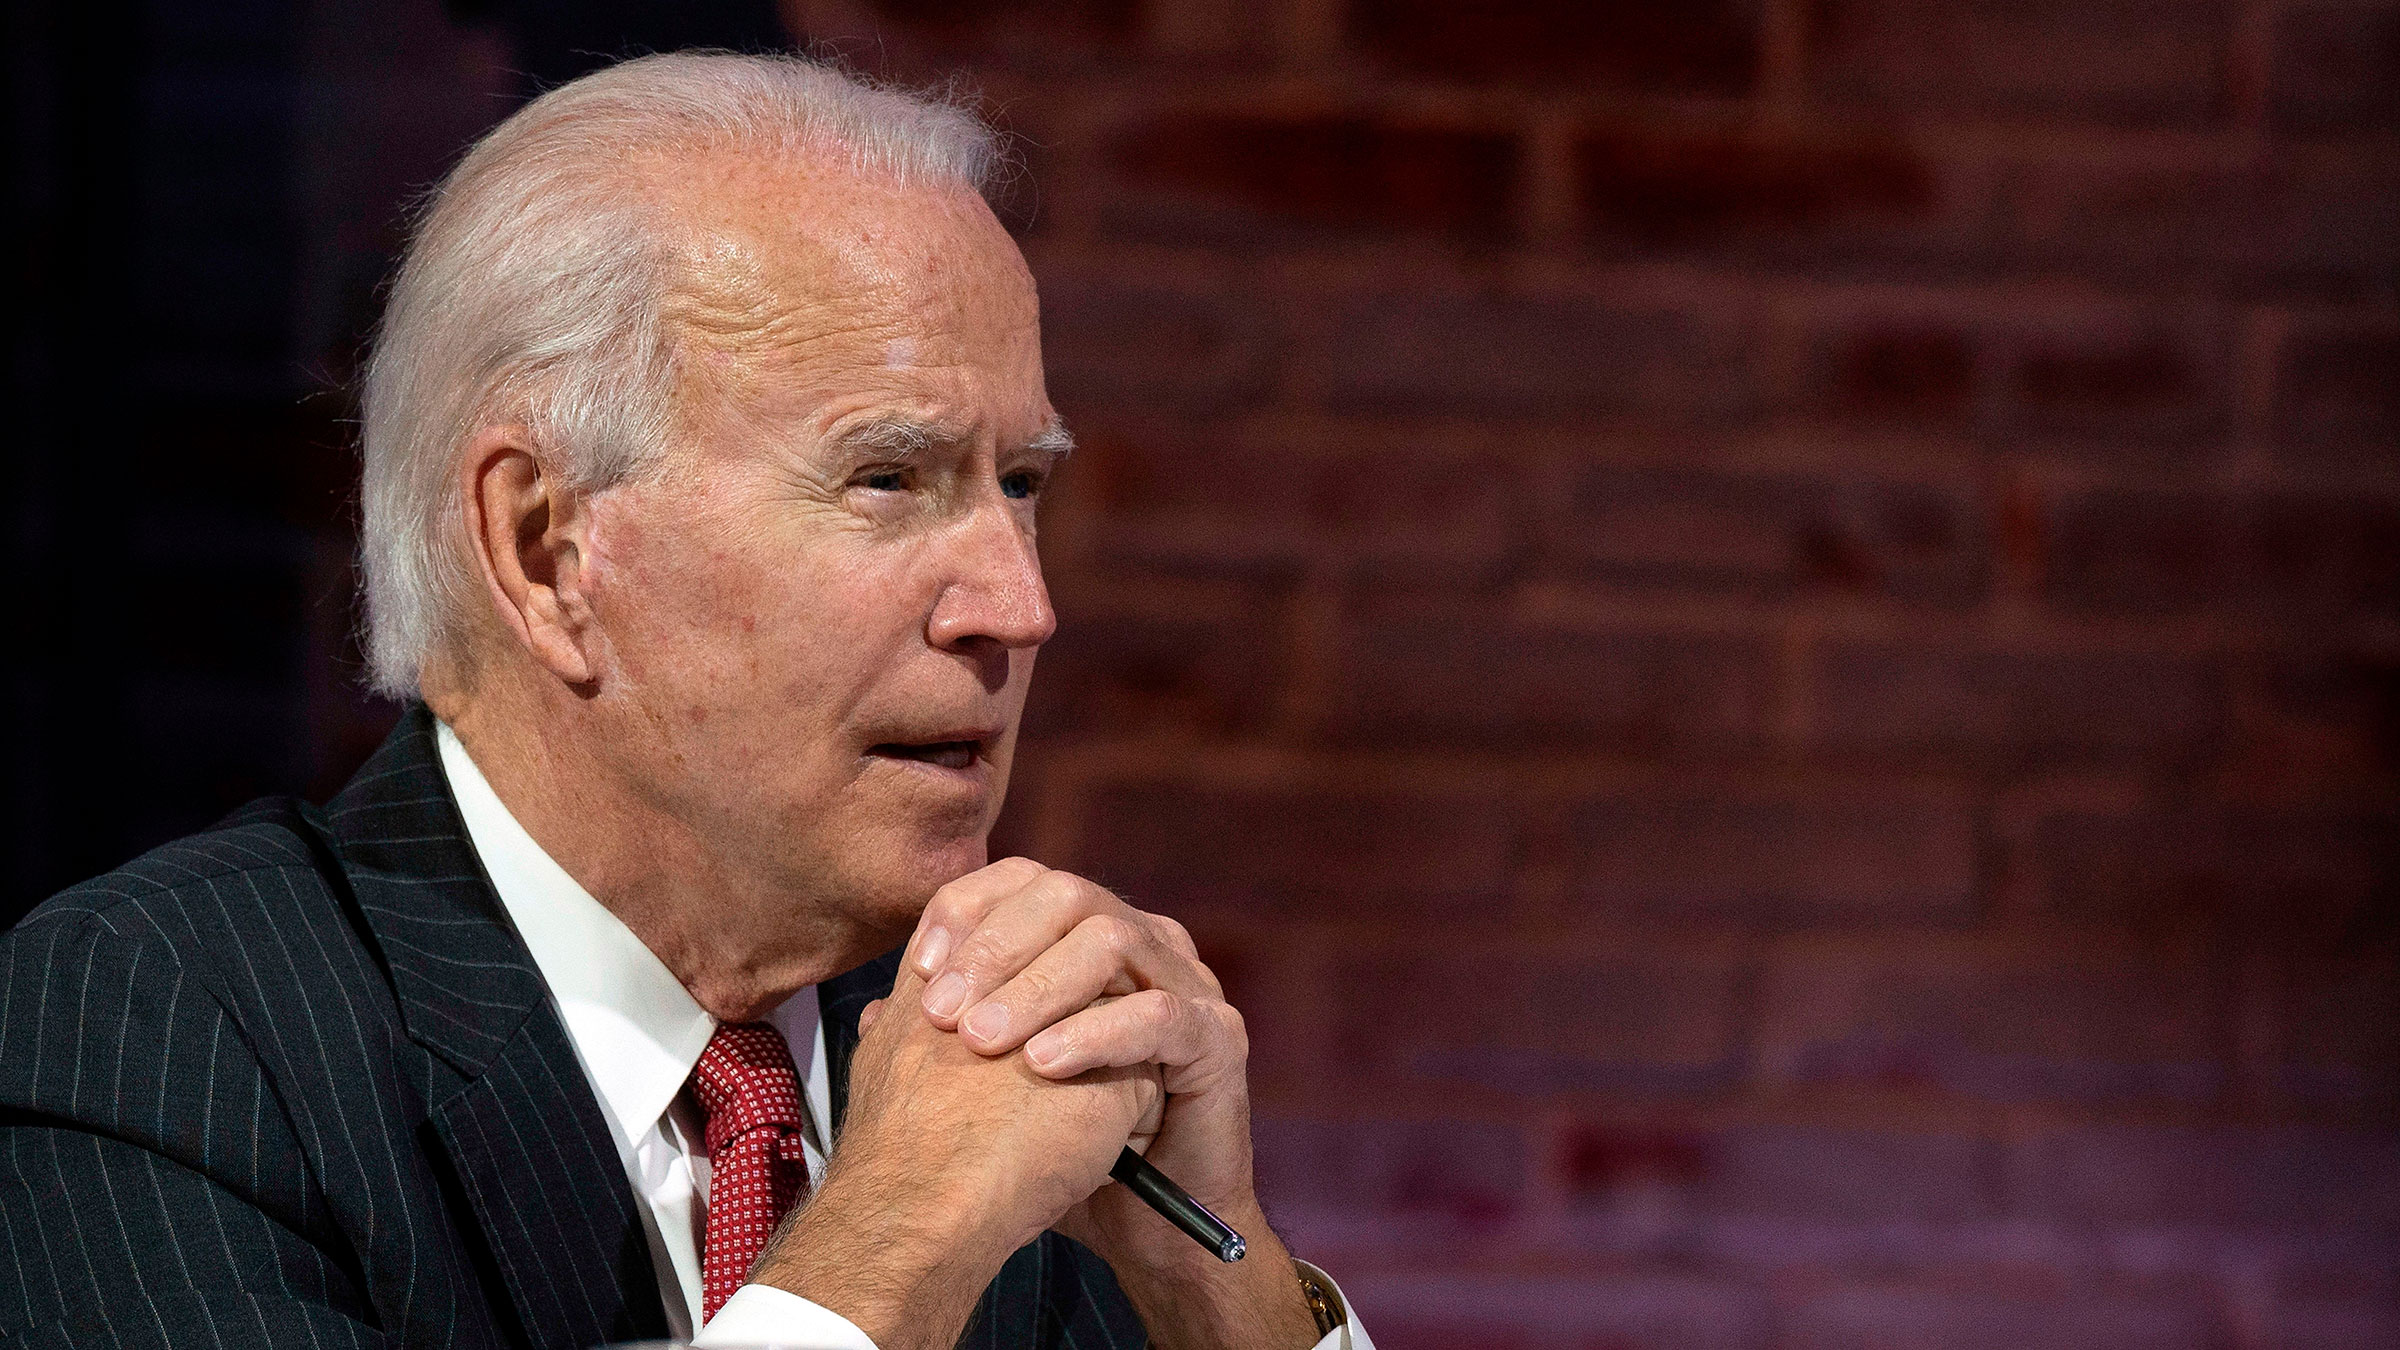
<point x="800" y="282"/>
<point x="727" y="302"/>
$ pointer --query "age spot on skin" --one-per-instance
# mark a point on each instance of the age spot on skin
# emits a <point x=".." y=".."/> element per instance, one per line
<point x="749" y="624"/>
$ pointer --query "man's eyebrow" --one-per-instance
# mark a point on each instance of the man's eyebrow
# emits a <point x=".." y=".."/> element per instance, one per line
<point x="895" y="436"/>
<point x="910" y="436"/>
<point x="1055" y="441"/>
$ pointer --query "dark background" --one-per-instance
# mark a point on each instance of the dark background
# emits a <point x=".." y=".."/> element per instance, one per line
<point x="1763" y="637"/>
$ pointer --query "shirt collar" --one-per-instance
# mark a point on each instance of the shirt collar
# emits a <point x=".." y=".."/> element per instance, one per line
<point x="636" y="1028"/>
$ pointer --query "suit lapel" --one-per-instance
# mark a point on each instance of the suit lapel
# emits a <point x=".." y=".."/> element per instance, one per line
<point x="520" y="1128"/>
<point x="839" y="1002"/>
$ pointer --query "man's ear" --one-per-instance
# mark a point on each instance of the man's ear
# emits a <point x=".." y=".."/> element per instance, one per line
<point x="529" y="529"/>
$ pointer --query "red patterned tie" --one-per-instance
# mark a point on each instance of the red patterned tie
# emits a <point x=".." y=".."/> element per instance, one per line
<point x="756" y="1171"/>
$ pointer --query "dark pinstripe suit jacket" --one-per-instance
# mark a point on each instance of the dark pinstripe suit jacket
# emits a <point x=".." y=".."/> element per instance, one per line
<point x="296" y="1082"/>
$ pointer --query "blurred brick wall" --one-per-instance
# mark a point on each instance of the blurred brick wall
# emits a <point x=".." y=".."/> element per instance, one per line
<point x="1764" y="639"/>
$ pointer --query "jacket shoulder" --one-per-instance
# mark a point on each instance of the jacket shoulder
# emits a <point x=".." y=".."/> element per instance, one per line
<point x="267" y="855"/>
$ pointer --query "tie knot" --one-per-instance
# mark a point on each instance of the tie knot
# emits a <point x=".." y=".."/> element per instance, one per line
<point x="746" y="1079"/>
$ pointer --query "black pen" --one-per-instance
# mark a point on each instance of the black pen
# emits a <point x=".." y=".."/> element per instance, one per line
<point x="1177" y="1206"/>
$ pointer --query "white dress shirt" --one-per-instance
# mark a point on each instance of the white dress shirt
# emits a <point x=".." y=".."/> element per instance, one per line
<point x="638" y="1032"/>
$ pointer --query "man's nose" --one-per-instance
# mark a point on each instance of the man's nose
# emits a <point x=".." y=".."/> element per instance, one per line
<point x="995" y="591"/>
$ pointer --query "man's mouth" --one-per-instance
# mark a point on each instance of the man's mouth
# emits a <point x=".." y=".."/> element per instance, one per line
<point x="955" y="754"/>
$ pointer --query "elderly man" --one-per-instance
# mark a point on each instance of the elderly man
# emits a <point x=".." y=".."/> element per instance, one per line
<point x="703" y="445"/>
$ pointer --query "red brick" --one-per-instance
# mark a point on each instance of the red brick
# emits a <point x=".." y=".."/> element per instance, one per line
<point x="1447" y="674"/>
<point x="2126" y="218"/>
<point x="1656" y="185"/>
<point x="1707" y="46"/>
<point x="1118" y="669"/>
<point x="2341" y="708"/>
<point x="1992" y="705"/>
<point x="1341" y="171"/>
<point x="1777" y="535"/>
<point x="2309" y="556"/>
<point x="1108" y="343"/>
<point x="2075" y="1023"/>
<point x="1852" y="1175"/>
<point x="1872" y="1317"/>
<point x="1830" y="1175"/>
<point x="2336" y="68"/>
<point x="1297" y="855"/>
<point x="2304" y="225"/>
<point x="2337" y="391"/>
<point x="1539" y="1023"/>
<point x="2341" y="1023"/>
<point x="2287" y="1175"/>
<point x="2319" y="226"/>
<point x="2156" y="385"/>
<point x="2118" y="550"/>
<point x="1536" y="356"/>
<point x="1214" y="498"/>
<point x="1597" y="1309"/>
<point x="1597" y="1158"/>
<point x="2125" y="61"/>
<point x="2275" y="877"/>
<point x="1472" y="1171"/>
<point x="1037" y="28"/>
<point x="2320" y="1324"/>
<point x="1899" y="371"/>
<point x="1822" y="858"/>
<point x="2317" y="552"/>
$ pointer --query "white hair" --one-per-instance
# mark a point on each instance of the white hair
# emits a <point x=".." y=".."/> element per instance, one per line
<point x="531" y="294"/>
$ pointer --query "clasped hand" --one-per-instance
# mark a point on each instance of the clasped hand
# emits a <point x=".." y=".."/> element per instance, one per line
<point x="1038" y="1025"/>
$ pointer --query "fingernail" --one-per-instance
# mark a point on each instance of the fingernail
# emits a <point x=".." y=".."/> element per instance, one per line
<point x="1044" y="1048"/>
<point x="988" y="1022"/>
<point x="931" y="948"/>
<point x="947" y="996"/>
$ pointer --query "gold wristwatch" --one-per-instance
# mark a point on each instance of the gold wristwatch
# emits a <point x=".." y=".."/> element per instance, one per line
<point x="1320" y="1303"/>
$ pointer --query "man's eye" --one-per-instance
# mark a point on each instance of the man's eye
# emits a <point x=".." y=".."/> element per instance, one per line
<point x="1021" y="485"/>
<point x="885" y="480"/>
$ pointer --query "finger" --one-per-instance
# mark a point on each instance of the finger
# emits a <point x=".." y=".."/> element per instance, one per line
<point x="1199" y="1042"/>
<point x="956" y="908"/>
<point x="868" y="1014"/>
<point x="1011" y="932"/>
<point x="1105" y="954"/>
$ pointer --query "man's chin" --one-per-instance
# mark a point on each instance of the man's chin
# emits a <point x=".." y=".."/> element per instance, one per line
<point x="906" y="879"/>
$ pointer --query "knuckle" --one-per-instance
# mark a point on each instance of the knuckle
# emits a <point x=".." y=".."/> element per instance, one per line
<point x="1175" y="935"/>
<point x="1216" y="987"/>
<point x="1237" y="1029"/>
<point x="1032" y="988"/>
<point x="957" y="904"/>
<point x="1111" y="932"/>
<point x="947" y="906"/>
<point x="978" y="958"/>
<point x="1059" y="891"/>
<point x="1089" y="896"/>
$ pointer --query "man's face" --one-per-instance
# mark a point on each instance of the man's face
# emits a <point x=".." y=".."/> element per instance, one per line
<point x="818" y="624"/>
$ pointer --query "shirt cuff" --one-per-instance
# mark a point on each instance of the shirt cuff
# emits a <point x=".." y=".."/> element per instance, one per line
<point x="1347" y="1336"/>
<point x="761" y="1314"/>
